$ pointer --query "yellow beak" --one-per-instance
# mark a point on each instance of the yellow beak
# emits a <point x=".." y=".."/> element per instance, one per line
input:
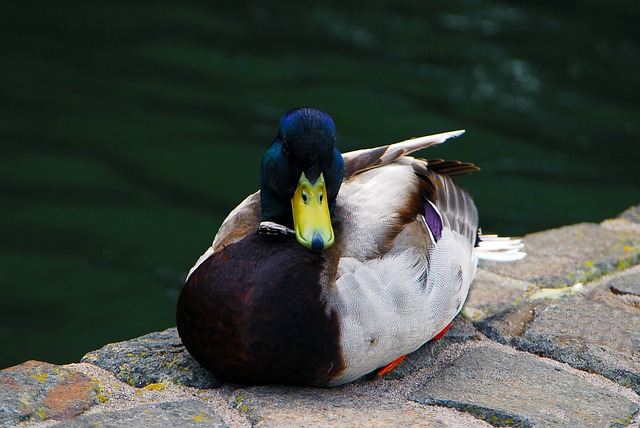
<point x="311" y="218"/>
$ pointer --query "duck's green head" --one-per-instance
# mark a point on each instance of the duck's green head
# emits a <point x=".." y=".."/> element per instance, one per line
<point x="300" y="177"/>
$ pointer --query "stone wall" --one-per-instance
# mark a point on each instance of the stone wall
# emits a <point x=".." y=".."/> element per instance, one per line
<point x="552" y="340"/>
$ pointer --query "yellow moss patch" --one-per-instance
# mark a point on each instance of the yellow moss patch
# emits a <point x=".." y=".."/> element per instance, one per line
<point x="240" y="403"/>
<point x="624" y="264"/>
<point x="41" y="377"/>
<point x="555" y="293"/>
<point x="201" y="418"/>
<point x="155" y="387"/>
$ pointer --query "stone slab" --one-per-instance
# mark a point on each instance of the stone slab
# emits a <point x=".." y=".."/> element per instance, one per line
<point x="596" y="331"/>
<point x="185" y="413"/>
<point x="271" y="406"/>
<point x="510" y="388"/>
<point x="568" y="255"/>
<point x="154" y="358"/>
<point x="36" y="391"/>
<point x="444" y="383"/>
<point x="491" y="293"/>
<point x="626" y="283"/>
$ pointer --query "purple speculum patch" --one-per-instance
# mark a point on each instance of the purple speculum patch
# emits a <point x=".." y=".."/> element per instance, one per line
<point x="434" y="222"/>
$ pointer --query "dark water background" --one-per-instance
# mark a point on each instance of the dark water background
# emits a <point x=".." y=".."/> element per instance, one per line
<point x="128" y="130"/>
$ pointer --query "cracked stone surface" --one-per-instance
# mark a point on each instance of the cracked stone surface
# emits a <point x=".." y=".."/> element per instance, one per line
<point x="528" y="353"/>
<point x="509" y="388"/>
<point x="152" y="358"/>
<point x="596" y="331"/>
<point x="289" y="407"/>
<point x="627" y="283"/>
<point x="184" y="413"/>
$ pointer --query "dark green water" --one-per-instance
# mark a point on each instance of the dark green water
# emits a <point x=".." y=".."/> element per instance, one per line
<point x="128" y="131"/>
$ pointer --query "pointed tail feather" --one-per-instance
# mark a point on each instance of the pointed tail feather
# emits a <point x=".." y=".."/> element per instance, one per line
<point x="500" y="248"/>
<point x="406" y="147"/>
<point x="361" y="160"/>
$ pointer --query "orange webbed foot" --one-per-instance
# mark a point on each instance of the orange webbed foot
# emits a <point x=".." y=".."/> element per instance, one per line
<point x="392" y="365"/>
<point x="442" y="333"/>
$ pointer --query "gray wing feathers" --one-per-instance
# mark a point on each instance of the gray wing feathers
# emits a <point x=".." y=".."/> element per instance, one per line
<point x="456" y="207"/>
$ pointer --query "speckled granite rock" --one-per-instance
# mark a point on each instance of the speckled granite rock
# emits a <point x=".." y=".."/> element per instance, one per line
<point x="491" y="293"/>
<point x="308" y="407"/>
<point x="184" y="413"/>
<point x="507" y="388"/>
<point x="153" y="358"/>
<point x="35" y="391"/>
<point x="467" y="379"/>
<point x="627" y="283"/>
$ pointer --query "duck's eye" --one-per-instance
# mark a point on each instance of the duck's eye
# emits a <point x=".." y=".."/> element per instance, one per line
<point x="285" y="148"/>
<point x="305" y="198"/>
<point x="320" y="197"/>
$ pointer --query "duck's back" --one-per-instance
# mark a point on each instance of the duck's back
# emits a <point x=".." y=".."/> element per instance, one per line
<point x="406" y="263"/>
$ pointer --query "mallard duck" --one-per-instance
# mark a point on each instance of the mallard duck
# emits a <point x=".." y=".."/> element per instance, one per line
<point x="339" y="266"/>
